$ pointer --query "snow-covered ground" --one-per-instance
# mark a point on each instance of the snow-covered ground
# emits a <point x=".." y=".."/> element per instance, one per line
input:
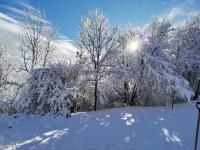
<point x="130" y="128"/>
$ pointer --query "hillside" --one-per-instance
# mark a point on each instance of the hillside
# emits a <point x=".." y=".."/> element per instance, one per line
<point x="130" y="128"/>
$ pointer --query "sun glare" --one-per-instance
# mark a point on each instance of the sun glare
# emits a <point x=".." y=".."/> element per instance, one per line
<point x="134" y="45"/>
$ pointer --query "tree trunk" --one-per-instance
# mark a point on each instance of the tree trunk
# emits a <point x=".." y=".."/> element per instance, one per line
<point x="126" y="92"/>
<point x="72" y="109"/>
<point x="95" y="96"/>
<point x="133" y="96"/>
<point x="197" y="90"/>
<point x="173" y="98"/>
<point x="1" y="111"/>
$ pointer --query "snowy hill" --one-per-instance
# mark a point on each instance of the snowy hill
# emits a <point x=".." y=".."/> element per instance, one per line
<point x="131" y="128"/>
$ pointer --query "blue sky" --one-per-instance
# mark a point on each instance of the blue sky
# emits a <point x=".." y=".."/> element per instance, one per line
<point x="66" y="14"/>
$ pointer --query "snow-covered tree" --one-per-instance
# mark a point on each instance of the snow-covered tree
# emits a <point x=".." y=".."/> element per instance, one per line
<point x="158" y="67"/>
<point x="186" y="51"/>
<point x="97" y="41"/>
<point x="192" y="51"/>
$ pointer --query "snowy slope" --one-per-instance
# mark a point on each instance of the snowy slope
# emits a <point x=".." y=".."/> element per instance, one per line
<point x="132" y="128"/>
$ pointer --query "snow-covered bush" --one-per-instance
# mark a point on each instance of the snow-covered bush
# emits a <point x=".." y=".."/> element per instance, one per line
<point x="49" y="90"/>
<point x="8" y="100"/>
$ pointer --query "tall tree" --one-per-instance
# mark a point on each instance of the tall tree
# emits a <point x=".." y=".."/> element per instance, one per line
<point x="36" y="40"/>
<point x="97" y="41"/>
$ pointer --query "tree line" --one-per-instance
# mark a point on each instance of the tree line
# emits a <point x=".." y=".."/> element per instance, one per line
<point x="158" y="64"/>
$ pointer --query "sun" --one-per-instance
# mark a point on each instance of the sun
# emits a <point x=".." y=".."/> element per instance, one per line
<point x="134" y="45"/>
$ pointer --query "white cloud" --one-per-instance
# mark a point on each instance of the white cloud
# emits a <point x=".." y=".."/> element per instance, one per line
<point x="172" y="14"/>
<point x="27" y="6"/>
<point x="14" y="10"/>
<point x="179" y="14"/>
<point x="65" y="49"/>
<point x="9" y="29"/>
<point x="194" y="13"/>
<point x="23" y="13"/>
<point x="176" y="11"/>
<point x="6" y="17"/>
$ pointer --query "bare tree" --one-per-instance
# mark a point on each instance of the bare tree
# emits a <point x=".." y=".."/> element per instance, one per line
<point x="4" y="68"/>
<point x="3" y="74"/>
<point x="36" y="40"/>
<point x="98" y="42"/>
<point x="7" y="87"/>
